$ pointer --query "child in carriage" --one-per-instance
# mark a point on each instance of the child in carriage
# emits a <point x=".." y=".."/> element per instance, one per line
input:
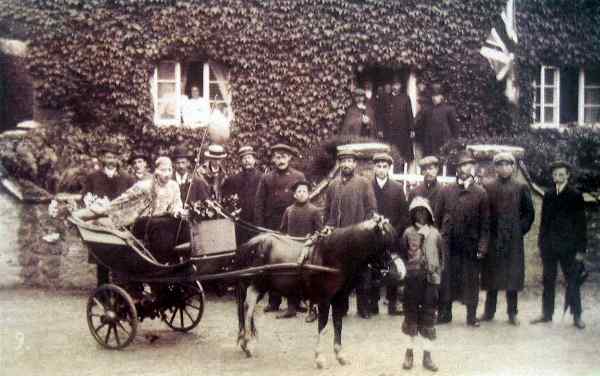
<point x="421" y="246"/>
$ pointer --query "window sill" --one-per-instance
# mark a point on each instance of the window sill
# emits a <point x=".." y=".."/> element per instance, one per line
<point x="565" y="126"/>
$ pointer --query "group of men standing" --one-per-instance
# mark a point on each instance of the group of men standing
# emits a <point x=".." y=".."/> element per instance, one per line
<point x="482" y="225"/>
<point x="389" y="115"/>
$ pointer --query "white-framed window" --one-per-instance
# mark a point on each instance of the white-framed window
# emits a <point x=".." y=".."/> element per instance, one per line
<point x="589" y="95"/>
<point x="171" y="86"/>
<point x="546" y="96"/>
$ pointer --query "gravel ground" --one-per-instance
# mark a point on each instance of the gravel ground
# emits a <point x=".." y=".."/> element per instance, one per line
<point x="45" y="333"/>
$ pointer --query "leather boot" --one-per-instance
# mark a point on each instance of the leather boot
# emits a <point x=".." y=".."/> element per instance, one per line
<point x="578" y="323"/>
<point x="428" y="363"/>
<point x="408" y="359"/>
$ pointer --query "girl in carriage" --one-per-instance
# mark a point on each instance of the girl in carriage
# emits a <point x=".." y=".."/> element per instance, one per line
<point x="421" y="248"/>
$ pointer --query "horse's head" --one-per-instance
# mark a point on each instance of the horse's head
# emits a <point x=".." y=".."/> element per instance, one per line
<point x="383" y="229"/>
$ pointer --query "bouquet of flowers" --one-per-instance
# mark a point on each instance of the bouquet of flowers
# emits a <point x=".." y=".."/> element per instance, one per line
<point x="209" y="209"/>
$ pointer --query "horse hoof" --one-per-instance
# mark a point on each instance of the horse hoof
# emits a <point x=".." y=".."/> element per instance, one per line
<point x="245" y="345"/>
<point x="342" y="360"/>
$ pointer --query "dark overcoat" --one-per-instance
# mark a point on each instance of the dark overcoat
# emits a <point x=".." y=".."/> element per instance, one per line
<point x="101" y="185"/>
<point x="396" y="122"/>
<point x="349" y="201"/>
<point x="244" y="184"/>
<point x="274" y="195"/>
<point x="439" y="126"/>
<point x="465" y="230"/>
<point x="511" y="216"/>
<point x="354" y="125"/>
<point x="432" y="193"/>
<point x="392" y="204"/>
<point x="563" y="228"/>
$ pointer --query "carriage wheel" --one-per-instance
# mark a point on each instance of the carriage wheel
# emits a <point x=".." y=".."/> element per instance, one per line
<point x="186" y="311"/>
<point x="112" y="317"/>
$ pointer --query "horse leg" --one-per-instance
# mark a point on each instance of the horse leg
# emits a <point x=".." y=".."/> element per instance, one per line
<point x="240" y="294"/>
<point x="252" y="296"/>
<point x="338" y="309"/>
<point x="323" y="313"/>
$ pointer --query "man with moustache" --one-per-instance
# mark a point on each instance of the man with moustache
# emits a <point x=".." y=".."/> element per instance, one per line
<point x="244" y="184"/>
<point x="429" y="188"/>
<point x="350" y="200"/>
<point x="273" y="196"/>
<point x="511" y="217"/>
<point x="397" y="123"/>
<point x="562" y="239"/>
<point x="391" y="203"/>
<point x="108" y="182"/>
<point x="465" y="227"/>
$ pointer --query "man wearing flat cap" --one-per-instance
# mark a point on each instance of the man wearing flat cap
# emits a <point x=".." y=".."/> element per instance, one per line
<point x="562" y="239"/>
<point x="244" y="184"/>
<point x="360" y="118"/>
<point x="108" y="182"/>
<point x="274" y="195"/>
<point x="430" y="187"/>
<point x="511" y="217"/>
<point x="392" y="204"/>
<point x="440" y="125"/>
<point x="465" y="226"/>
<point x="350" y="200"/>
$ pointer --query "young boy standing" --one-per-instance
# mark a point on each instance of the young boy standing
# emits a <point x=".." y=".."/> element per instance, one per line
<point x="421" y="246"/>
<point x="300" y="219"/>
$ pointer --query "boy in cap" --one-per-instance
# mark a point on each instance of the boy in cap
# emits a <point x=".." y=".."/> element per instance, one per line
<point x="392" y="204"/>
<point x="511" y="217"/>
<point x="300" y="219"/>
<point x="465" y="226"/>
<point x="274" y="195"/>
<point x="562" y="239"/>
<point x="421" y="248"/>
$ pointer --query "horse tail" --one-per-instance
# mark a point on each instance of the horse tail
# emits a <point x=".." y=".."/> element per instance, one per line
<point x="240" y="294"/>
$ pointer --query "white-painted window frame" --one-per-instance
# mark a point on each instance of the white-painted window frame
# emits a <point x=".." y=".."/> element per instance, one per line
<point x="581" y="100"/>
<point x="541" y="102"/>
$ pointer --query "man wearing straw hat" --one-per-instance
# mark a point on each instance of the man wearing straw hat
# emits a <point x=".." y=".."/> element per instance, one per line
<point x="274" y="195"/>
<point x="244" y="184"/>
<point x="212" y="170"/>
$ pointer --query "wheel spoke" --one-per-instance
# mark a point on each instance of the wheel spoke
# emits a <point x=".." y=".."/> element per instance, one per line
<point x="122" y="327"/>
<point x="181" y="318"/>
<point x="106" y="338"/>
<point x="98" y="302"/>
<point x="95" y="315"/>
<point x="97" y="329"/>
<point x="188" y="315"/>
<point x="172" y="317"/>
<point x="117" y="335"/>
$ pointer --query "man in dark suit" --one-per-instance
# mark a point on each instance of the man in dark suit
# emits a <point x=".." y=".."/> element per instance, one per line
<point x="391" y="203"/>
<point x="244" y="184"/>
<point x="273" y="196"/>
<point x="440" y="125"/>
<point x="396" y="119"/>
<point x="360" y="118"/>
<point x="183" y="174"/>
<point x="562" y="239"/>
<point x="106" y="183"/>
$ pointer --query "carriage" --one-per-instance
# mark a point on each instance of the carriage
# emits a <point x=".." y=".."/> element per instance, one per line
<point x="144" y="288"/>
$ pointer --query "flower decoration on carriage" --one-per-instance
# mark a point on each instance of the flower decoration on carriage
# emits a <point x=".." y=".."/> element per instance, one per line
<point x="210" y="209"/>
<point x="91" y="199"/>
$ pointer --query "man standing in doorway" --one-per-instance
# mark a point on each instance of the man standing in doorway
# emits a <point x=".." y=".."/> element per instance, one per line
<point x="562" y="239"/>
<point x="440" y="125"/>
<point x="397" y="123"/>
<point x="511" y="216"/>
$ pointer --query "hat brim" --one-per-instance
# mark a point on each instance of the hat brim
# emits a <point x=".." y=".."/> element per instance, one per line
<point x="215" y="156"/>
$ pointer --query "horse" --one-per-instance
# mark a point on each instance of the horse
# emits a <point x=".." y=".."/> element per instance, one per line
<point x="345" y="249"/>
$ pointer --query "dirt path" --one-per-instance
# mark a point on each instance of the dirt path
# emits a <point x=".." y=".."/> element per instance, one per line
<point x="45" y="333"/>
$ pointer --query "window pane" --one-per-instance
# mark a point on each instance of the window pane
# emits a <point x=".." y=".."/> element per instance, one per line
<point x="548" y="115"/>
<point x="537" y="74"/>
<point x="592" y="96"/>
<point x="165" y="90"/>
<point x="166" y="70"/>
<point x="211" y="75"/>
<point x="592" y="76"/>
<point x="592" y="115"/>
<point x="536" y="96"/>
<point x="549" y="76"/>
<point x="549" y="96"/>
<point x="215" y="92"/>
<point x="167" y="109"/>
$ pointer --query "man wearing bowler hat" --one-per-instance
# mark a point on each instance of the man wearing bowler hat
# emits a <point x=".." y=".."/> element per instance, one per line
<point x="108" y="182"/>
<point x="274" y="195"/>
<point x="244" y="184"/>
<point x="562" y="239"/>
<point x="511" y="216"/>
<point x="350" y="200"/>
<point x="440" y="125"/>
<point x="182" y="165"/>
<point x="392" y="204"/>
<point x="139" y="164"/>
<point x="465" y="226"/>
